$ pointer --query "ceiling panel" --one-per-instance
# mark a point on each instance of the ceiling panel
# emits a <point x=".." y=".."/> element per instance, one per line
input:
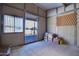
<point x="49" y="5"/>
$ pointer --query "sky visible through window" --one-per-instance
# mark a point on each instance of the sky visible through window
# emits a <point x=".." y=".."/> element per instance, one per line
<point x="13" y="24"/>
<point x="30" y="27"/>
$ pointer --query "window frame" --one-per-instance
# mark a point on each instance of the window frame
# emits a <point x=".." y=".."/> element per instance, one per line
<point x="14" y="24"/>
<point x="34" y="24"/>
<point x="7" y="25"/>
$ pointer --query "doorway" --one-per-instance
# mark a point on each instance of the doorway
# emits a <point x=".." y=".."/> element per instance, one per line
<point x="31" y="30"/>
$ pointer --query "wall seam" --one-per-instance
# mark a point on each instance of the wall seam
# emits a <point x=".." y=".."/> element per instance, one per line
<point x="76" y="24"/>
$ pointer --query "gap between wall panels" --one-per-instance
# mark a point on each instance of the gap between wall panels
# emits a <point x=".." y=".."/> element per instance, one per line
<point x="66" y="28"/>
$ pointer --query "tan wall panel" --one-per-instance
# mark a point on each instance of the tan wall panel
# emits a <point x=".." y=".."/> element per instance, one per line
<point x="17" y="5"/>
<point x="12" y="39"/>
<point x="67" y="20"/>
<point x="12" y="11"/>
<point x="42" y="12"/>
<point x="42" y="27"/>
<point x="31" y="8"/>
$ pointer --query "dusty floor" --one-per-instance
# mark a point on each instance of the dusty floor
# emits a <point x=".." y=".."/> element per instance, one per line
<point x="44" y="48"/>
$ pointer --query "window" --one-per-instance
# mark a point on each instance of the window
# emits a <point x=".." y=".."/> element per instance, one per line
<point x="8" y="23"/>
<point x="36" y="27"/>
<point x="29" y="25"/>
<point x="13" y="24"/>
<point x="18" y="24"/>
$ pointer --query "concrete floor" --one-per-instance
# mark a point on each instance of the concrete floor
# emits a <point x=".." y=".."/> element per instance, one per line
<point x="44" y="48"/>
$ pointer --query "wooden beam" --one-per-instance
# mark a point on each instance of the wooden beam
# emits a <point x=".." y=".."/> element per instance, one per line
<point x="66" y="4"/>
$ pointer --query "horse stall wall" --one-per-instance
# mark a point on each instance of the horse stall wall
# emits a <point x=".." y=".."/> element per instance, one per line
<point x="51" y="21"/>
<point x="19" y="9"/>
<point x="51" y="27"/>
<point x="42" y="27"/>
<point x="12" y="39"/>
<point x="30" y="7"/>
<point x="66" y="27"/>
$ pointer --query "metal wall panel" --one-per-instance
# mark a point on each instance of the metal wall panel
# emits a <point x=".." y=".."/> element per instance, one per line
<point x="51" y="13"/>
<point x="77" y="5"/>
<point x="12" y="39"/>
<point x="31" y="8"/>
<point x="42" y="12"/>
<point x="42" y="27"/>
<point x="70" y="7"/>
<point x="60" y="10"/>
<point x="12" y="11"/>
<point x="17" y="5"/>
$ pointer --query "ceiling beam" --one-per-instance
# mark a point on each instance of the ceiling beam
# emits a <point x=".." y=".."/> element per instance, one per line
<point x="66" y="4"/>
